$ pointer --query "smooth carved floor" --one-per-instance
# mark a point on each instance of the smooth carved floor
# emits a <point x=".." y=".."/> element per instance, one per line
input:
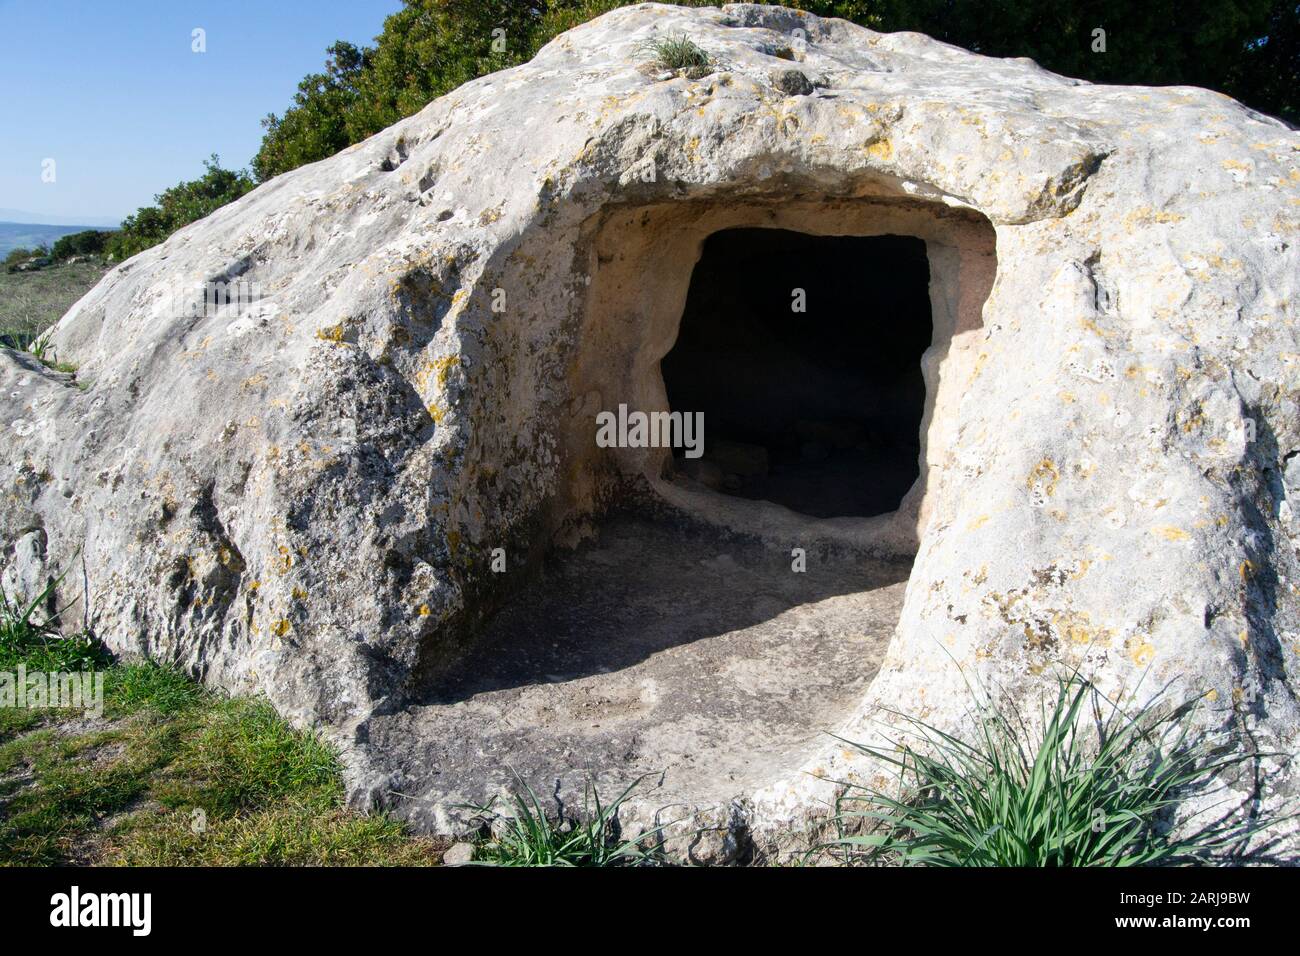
<point x="654" y="649"/>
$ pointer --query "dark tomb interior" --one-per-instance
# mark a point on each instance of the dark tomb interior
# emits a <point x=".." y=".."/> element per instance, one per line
<point x="819" y="410"/>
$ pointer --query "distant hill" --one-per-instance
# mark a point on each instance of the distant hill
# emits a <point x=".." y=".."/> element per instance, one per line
<point x="14" y="235"/>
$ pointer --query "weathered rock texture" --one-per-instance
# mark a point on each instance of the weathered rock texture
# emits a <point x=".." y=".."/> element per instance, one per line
<point x="301" y="497"/>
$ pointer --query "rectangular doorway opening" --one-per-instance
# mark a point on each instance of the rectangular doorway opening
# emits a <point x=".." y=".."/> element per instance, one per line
<point x="803" y="352"/>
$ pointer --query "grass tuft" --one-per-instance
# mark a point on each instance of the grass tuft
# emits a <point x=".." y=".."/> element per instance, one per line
<point x="529" y="837"/>
<point x="678" y="52"/>
<point x="38" y="644"/>
<point x="1094" y="787"/>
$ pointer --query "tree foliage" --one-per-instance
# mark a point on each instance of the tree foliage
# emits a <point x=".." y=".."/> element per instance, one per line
<point x="1249" y="49"/>
<point x="1209" y="43"/>
<point x="22" y="254"/>
<point x="427" y="48"/>
<point x="89" y="242"/>
<point x="179" y="206"/>
<point x="1245" y="48"/>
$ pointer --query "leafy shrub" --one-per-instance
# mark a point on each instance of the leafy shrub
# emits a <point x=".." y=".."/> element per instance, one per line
<point x="20" y="255"/>
<point x="178" y="206"/>
<point x="91" y="242"/>
<point x="426" y="49"/>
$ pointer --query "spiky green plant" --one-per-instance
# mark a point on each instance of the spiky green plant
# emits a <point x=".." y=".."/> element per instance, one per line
<point x="677" y="52"/>
<point x="1094" y="787"/>
<point x="39" y="346"/>
<point x="43" y="349"/>
<point x="528" y="836"/>
<point x="39" y="645"/>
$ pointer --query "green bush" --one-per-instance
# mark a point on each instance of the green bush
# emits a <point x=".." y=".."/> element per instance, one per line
<point x="426" y="49"/>
<point x="20" y="254"/>
<point x="178" y="206"/>
<point x="91" y="242"/>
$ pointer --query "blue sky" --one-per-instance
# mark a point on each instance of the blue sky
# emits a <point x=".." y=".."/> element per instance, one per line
<point x="111" y="90"/>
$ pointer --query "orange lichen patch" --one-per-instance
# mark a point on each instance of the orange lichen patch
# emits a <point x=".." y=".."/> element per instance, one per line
<point x="1043" y="475"/>
<point x="881" y="149"/>
<point x="1170" y="532"/>
<point x="281" y="628"/>
<point x="332" y="333"/>
<point x="1139" y="649"/>
<point x="436" y="372"/>
<point x="1145" y="216"/>
<point x="1077" y="628"/>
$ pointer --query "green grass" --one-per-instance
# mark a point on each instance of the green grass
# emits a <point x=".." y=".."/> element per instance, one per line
<point x="1094" y="787"/>
<point x="678" y="52"/>
<point x="528" y="836"/>
<point x="165" y="690"/>
<point x="31" y="302"/>
<point x="240" y="755"/>
<point x="174" y="775"/>
<point x="290" y="835"/>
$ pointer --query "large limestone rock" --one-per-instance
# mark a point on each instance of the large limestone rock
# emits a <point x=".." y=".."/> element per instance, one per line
<point x="301" y="495"/>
